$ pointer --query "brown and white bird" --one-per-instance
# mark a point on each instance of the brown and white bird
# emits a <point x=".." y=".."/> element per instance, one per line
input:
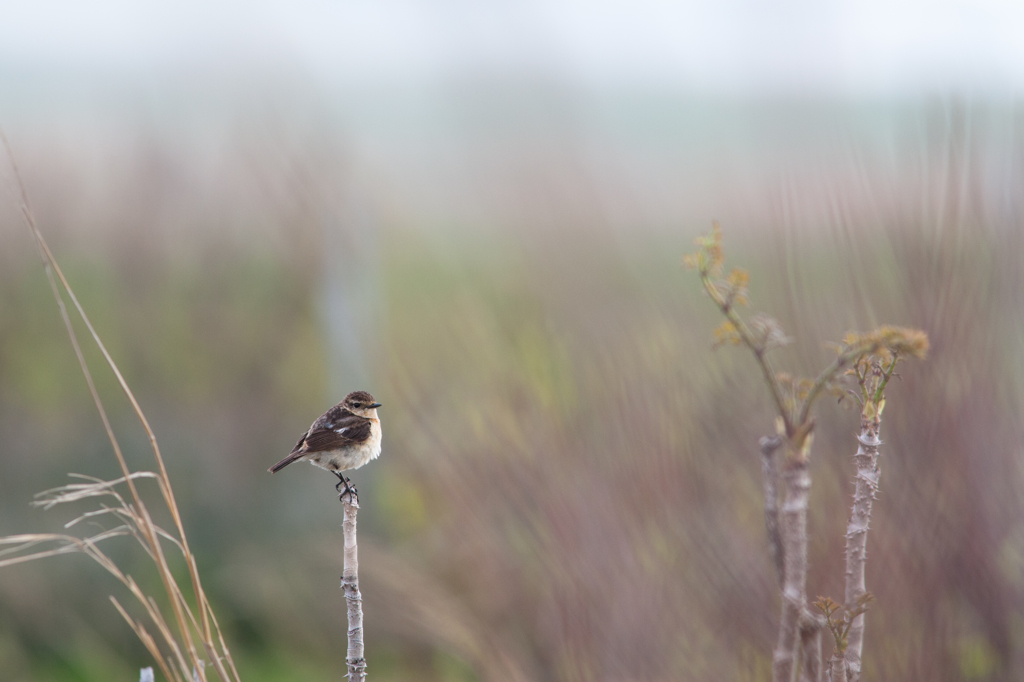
<point x="347" y="436"/>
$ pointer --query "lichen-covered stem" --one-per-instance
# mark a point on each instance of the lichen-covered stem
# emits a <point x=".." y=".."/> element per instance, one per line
<point x="794" y="587"/>
<point x="865" y="487"/>
<point x="350" y="584"/>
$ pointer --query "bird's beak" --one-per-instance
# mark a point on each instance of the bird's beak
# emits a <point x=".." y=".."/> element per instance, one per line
<point x="374" y="406"/>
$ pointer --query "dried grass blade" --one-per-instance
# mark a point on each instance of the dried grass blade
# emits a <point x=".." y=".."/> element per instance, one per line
<point x="50" y="265"/>
<point x="73" y="492"/>
<point x="147" y="641"/>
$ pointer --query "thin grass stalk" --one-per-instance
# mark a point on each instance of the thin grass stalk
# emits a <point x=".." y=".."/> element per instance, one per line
<point x="50" y="266"/>
<point x="147" y="641"/>
<point x="163" y="568"/>
<point x="223" y="644"/>
<point x="90" y="548"/>
<point x="165" y="489"/>
<point x="209" y="646"/>
<point x="147" y="527"/>
<point x="151" y="608"/>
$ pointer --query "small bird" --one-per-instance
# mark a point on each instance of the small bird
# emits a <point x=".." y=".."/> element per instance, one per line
<point x="347" y="436"/>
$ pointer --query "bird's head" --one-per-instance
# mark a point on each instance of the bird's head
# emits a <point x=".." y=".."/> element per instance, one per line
<point x="361" y="403"/>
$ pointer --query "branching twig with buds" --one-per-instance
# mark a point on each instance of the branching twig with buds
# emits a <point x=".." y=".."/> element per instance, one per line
<point x="872" y="357"/>
<point x="840" y="629"/>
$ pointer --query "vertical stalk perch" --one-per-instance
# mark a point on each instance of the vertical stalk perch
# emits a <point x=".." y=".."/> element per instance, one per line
<point x="838" y="668"/>
<point x="350" y="584"/>
<point x="770" y="470"/>
<point x="811" y="669"/>
<point x="794" y="587"/>
<point x="866" y="486"/>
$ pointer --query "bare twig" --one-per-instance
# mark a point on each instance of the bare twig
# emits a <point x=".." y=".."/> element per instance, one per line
<point x="848" y="355"/>
<point x="355" y="658"/>
<point x="865" y="487"/>
<point x="747" y="337"/>
<point x="770" y="470"/>
<point x="837" y="667"/>
<point x="811" y="669"/>
<point x="794" y="588"/>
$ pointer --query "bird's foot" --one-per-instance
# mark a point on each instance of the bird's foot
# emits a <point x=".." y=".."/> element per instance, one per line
<point x="349" y="489"/>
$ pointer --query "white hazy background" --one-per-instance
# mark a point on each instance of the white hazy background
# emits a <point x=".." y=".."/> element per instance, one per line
<point x="854" y="48"/>
<point x="690" y="110"/>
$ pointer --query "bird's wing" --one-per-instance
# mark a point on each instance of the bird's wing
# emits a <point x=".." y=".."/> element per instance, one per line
<point x="298" y="446"/>
<point x="336" y="429"/>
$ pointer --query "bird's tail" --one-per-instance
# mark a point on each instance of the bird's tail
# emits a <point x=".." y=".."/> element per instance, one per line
<point x="285" y="462"/>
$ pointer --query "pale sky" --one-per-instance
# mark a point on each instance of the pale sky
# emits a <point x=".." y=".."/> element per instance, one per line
<point x="732" y="46"/>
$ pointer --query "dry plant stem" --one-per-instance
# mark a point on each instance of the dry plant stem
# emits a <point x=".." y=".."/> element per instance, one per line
<point x="147" y="527"/>
<point x="874" y="356"/>
<point x="810" y="649"/>
<point x="791" y="421"/>
<point x="838" y="668"/>
<point x="759" y="352"/>
<point x="827" y="375"/>
<point x="794" y="587"/>
<point x="770" y="470"/>
<point x="90" y="548"/>
<point x="354" y="600"/>
<point x="169" y="672"/>
<point x="866" y="486"/>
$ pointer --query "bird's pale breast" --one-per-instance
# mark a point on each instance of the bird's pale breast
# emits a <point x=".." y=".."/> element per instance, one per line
<point x="352" y="456"/>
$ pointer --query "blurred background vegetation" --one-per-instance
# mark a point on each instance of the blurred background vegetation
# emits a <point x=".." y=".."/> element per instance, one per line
<point x="570" y="484"/>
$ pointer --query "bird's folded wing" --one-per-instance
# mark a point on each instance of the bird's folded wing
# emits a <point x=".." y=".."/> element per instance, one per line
<point x="331" y="432"/>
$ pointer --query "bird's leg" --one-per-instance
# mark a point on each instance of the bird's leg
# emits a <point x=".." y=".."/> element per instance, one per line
<point x="349" y="490"/>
